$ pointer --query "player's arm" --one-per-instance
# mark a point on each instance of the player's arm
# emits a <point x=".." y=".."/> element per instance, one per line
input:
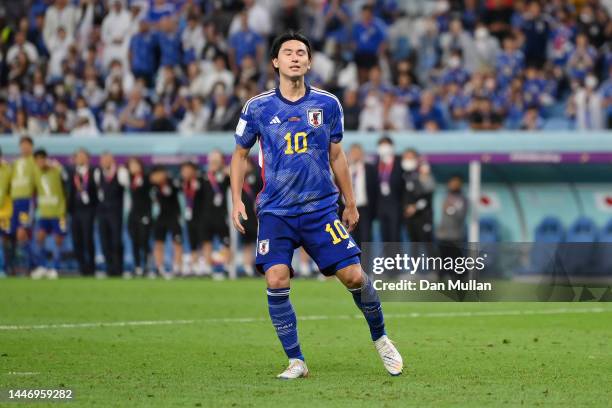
<point x="339" y="166"/>
<point x="238" y="168"/>
<point x="247" y="132"/>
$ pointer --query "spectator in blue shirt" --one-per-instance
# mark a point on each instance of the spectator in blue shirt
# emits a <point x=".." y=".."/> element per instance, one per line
<point x="606" y="94"/>
<point x="428" y="112"/>
<point x="170" y="44"/>
<point x="406" y="91"/>
<point x="536" y="29"/>
<point x="136" y="115"/>
<point x="142" y="54"/>
<point x="509" y="62"/>
<point x="537" y="90"/>
<point x="582" y="59"/>
<point x="455" y="72"/>
<point x="369" y="36"/>
<point x="375" y="83"/>
<point x="161" y="9"/>
<point x="39" y="105"/>
<point x="458" y="103"/>
<point x="245" y="42"/>
<point x="337" y="16"/>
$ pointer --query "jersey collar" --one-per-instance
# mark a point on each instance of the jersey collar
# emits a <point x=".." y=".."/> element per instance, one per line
<point x="282" y="98"/>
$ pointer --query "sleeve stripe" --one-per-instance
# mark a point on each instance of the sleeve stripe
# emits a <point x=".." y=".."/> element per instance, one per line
<point x="261" y="95"/>
<point x="322" y="92"/>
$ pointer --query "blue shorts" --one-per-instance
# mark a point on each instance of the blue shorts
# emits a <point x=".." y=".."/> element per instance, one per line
<point x="22" y="214"/>
<point x="321" y="233"/>
<point x="55" y="226"/>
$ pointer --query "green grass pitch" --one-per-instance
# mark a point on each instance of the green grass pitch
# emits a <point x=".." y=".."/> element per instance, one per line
<point x="199" y="343"/>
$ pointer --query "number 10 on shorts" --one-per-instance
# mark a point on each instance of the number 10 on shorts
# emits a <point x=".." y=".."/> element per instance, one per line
<point x="339" y="229"/>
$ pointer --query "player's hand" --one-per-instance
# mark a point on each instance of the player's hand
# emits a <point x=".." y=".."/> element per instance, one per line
<point x="239" y="215"/>
<point x="350" y="217"/>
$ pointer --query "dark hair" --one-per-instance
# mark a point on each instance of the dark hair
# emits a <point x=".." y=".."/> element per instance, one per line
<point x="288" y="36"/>
<point x="158" y="168"/>
<point x="136" y="159"/>
<point x="189" y="163"/>
<point x="40" y="153"/>
<point x="384" y="139"/>
<point x="413" y="151"/>
<point x="26" y="139"/>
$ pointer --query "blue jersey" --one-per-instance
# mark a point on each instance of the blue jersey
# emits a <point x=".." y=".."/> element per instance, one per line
<point x="294" y="143"/>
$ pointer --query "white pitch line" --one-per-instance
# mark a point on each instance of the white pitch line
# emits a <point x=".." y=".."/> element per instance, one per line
<point x="313" y="317"/>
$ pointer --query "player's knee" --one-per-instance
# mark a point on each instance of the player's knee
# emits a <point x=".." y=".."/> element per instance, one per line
<point x="278" y="276"/>
<point x="353" y="277"/>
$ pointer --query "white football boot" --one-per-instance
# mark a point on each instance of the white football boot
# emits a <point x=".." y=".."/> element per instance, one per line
<point x="38" y="273"/>
<point x="391" y="358"/>
<point x="297" y="369"/>
<point x="52" y="274"/>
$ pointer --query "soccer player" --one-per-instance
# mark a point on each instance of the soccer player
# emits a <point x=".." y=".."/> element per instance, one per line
<point x="22" y="194"/>
<point x="6" y="210"/>
<point x="299" y="129"/>
<point x="51" y="202"/>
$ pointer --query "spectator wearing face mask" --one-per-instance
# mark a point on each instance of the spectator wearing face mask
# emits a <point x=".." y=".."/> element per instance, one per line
<point x="486" y="48"/>
<point x="390" y="190"/>
<point x="371" y="118"/>
<point x="586" y="106"/>
<point x="417" y="196"/>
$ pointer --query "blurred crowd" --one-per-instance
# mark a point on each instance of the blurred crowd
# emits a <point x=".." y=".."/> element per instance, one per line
<point x="86" y="67"/>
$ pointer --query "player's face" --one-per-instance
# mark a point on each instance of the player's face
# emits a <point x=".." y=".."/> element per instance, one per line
<point x="187" y="172"/>
<point x="26" y="149"/>
<point x="292" y="60"/>
<point x="40" y="162"/>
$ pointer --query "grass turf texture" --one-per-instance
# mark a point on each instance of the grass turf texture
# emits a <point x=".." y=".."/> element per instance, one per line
<point x="555" y="360"/>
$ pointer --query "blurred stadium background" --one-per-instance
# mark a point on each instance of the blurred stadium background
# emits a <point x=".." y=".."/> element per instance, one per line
<point x="513" y="96"/>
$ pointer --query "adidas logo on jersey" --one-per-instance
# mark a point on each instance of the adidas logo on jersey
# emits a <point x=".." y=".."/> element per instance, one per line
<point x="275" y="121"/>
<point x="350" y="245"/>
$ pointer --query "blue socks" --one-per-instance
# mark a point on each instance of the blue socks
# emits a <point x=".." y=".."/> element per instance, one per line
<point x="284" y="321"/>
<point x="367" y="300"/>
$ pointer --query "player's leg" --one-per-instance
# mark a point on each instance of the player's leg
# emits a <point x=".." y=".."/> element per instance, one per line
<point x="277" y="239"/>
<point x="104" y="229"/>
<point x="159" y="236"/>
<point x="284" y="319"/>
<point x="367" y="300"/>
<point x="176" y="232"/>
<point x="222" y="231"/>
<point x="21" y="228"/>
<point x="136" y="244"/>
<point x="59" y="231"/>
<point x="332" y="248"/>
<point x="39" y="261"/>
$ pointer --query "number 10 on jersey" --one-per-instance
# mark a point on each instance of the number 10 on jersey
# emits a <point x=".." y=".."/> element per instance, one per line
<point x="296" y="144"/>
<point x="339" y="229"/>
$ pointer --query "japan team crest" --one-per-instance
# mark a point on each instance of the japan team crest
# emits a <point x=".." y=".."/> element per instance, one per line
<point x="315" y="117"/>
<point x="263" y="246"/>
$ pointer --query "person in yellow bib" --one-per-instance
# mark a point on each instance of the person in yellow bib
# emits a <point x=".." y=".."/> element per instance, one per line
<point x="22" y="188"/>
<point x="6" y="210"/>
<point x="51" y="219"/>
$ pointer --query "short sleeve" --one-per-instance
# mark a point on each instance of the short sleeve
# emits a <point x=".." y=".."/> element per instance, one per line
<point x="337" y="122"/>
<point x="246" y="130"/>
